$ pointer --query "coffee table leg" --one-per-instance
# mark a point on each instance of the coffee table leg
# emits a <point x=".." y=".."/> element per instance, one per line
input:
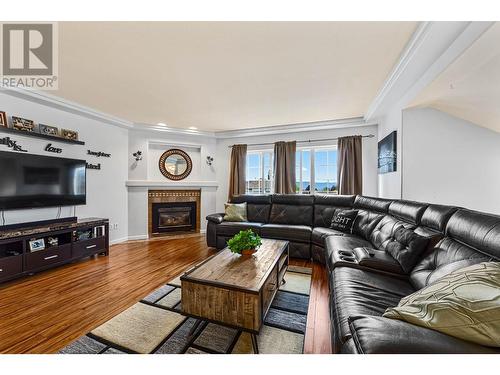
<point x="194" y="328"/>
<point x="254" y="343"/>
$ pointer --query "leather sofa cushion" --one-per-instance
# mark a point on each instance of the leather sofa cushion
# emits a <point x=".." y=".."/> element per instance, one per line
<point x="448" y="256"/>
<point x="407" y="210"/>
<point x="477" y="230"/>
<point x="325" y="207"/>
<point x="299" y="233"/>
<point x="334" y="244"/>
<point x="258" y="206"/>
<point x="372" y="204"/>
<point x="319" y="235"/>
<point x="365" y="223"/>
<point x="291" y="214"/>
<point x="378" y="335"/>
<point x="359" y="292"/>
<point x="230" y="228"/>
<point x="385" y="231"/>
<point x="407" y="248"/>
<point x="464" y="304"/>
<point x="436" y="216"/>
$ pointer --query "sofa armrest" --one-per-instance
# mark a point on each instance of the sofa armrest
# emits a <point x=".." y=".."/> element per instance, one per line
<point x="216" y="218"/>
<point x="379" y="335"/>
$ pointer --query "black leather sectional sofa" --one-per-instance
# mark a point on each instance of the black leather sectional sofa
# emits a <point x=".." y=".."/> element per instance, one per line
<point x="364" y="279"/>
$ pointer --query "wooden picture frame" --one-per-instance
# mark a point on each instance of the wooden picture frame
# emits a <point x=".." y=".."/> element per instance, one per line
<point x="3" y="119"/>
<point x="23" y="124"/>
<point x="69" y="134"/>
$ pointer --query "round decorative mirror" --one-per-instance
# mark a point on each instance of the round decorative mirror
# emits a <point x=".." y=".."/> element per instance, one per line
<point x="175" y="164"/>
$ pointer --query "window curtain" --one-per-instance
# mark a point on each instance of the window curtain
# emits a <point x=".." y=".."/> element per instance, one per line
<point x="237" y="171"/>
<point x="284" y="167"/>
<point x="349" y="165"/>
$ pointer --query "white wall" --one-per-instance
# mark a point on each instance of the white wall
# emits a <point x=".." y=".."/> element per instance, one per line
<point x="106" y="191"/>
<point x="369" y="155"/>
<point x="389" y="184"/>
<point x="450" y="161"/>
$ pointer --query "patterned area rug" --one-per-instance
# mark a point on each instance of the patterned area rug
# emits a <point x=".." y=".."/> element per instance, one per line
<point x="155" y="325"/>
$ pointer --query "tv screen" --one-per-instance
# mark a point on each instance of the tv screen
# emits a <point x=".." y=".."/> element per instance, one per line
<point x="31" y="181"/>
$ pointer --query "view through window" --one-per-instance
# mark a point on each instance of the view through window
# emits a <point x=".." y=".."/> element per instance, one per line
<point x="315" y="170"/>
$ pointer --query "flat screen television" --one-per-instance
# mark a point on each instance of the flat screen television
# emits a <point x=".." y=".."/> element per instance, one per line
<point x="32" y="181"/>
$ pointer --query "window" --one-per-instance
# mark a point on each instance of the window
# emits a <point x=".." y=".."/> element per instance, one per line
<point x="316" y="170"/>
<point x="259" y="172"/>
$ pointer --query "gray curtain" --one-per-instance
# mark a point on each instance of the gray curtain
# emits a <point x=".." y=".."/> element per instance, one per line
<point x="237" y="170"/>
<point x="349" y="165"/>
<point x="284" y="167"/>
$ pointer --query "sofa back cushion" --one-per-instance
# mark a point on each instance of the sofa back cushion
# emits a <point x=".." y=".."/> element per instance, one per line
<point x="436" y="216"/>
<point x="385" y="231"/>
<point x="407" y="210"/>
<point x="258" y="206"/>
<point x="365" y="223"/>
<point x="406" y="248"/>
<point x="447" y="256"/>
<point x="292" y="209"/>
<point x="372" y="204"/>
<point x="325" y="206"/>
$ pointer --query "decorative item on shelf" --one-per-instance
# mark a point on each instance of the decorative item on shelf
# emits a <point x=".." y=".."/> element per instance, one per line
<point x="137" y="155"/>
<point x="50" y="148"/>
<point x="96" y="167"/>
<point x="82" y="235"/>
<point x="99" y="231"/>
<point x="98" y="154"/>
<point x="53" y="241"/>
<point x="246" y="242"/>
<point x="37" y="244"/>
<point x="69" y="134"/>
<point x="3" y="119"/>
<point x="175" y="164"/>
<point x="23" y="124"/>
<point x="210" y="160"/>
<point x="11" y="144"/>
<point x="12" y="253"/>
<point x="48" y="130"/>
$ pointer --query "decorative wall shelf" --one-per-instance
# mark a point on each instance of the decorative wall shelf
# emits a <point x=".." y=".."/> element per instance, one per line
<point x="38" y="135"/>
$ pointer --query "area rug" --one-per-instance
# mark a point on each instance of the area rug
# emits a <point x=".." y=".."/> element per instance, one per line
<point x="154" y="325"/>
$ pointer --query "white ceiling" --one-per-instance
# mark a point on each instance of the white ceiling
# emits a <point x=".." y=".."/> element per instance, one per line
<point x="470" y="87"/>
<point x="220" y="76"/>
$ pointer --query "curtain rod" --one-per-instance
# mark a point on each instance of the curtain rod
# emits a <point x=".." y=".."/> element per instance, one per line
<point x="308" y="141"/>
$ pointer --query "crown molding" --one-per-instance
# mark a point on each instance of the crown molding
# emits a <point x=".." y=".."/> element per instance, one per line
<point x="295" y="128"/>
<point x="431" y="49"/>
<point x="407" y="55"/>
<point x="41" y="97"/>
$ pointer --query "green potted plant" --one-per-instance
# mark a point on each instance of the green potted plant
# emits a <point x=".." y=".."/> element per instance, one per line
<point x="245" y="243"/>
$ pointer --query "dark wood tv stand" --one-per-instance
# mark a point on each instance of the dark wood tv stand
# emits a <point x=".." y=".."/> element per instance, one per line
<point x="73" y="243"/>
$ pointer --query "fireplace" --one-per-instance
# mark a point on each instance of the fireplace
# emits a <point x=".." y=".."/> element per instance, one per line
<point x="173" y="217"/>
<point x="172" y="212"/>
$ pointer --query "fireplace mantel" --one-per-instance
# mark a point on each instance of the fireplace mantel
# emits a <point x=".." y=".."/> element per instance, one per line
<point x="171" y="184"/>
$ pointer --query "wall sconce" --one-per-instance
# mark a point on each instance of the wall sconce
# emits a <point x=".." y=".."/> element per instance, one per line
<point x="210" y="160"/>
<point x="137" y="155"/>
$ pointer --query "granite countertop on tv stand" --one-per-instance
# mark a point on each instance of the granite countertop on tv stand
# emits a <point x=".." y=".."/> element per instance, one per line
<point x="29" y="231"/>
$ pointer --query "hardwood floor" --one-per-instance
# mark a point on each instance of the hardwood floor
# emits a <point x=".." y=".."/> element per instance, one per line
<point x="47" y="311"/>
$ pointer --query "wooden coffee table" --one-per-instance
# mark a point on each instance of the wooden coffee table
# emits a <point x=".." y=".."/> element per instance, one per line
<point x="233" y="290"/>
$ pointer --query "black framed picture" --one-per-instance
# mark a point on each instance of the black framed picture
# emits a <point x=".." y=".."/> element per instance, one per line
<point x="387" y="154"/>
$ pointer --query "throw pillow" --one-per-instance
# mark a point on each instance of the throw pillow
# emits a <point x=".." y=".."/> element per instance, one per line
<point x="343" y="220"/>
<point x="235" y="211"/>
<point x="463" y="304"/>
<point x="406" y="248"/>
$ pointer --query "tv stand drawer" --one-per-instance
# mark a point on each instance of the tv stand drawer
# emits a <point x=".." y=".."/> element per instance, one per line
<point x="43" y="258"/>
<point x="89" y="247"/>
<point x="10" y="266"/>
